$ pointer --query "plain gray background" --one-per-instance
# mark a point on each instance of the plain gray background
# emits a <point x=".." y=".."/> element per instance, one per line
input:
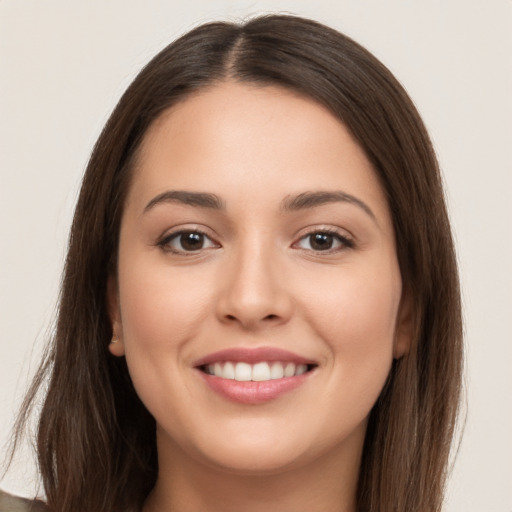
<point x="65" y="63"/>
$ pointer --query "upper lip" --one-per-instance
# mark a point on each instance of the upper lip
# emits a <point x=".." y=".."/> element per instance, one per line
<point x="252" y="356"/>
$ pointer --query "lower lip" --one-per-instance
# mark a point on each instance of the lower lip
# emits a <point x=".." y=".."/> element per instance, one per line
<point x="251" y="392"/>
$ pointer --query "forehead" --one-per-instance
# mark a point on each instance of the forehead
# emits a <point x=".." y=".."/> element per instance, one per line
<point x="242" y="139"/>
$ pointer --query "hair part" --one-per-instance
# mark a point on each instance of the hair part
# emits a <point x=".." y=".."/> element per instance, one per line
<point x="96" y="440"/>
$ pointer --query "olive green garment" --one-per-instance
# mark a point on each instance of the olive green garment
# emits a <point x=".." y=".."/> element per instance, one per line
<point x="9" y="503"/>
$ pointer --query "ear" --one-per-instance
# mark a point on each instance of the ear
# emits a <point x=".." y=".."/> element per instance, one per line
<point x="404" y="326"/>
<point x="116" y="345"/>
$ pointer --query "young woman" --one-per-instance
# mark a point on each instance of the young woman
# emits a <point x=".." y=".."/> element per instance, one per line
<point x="260" y="308"/>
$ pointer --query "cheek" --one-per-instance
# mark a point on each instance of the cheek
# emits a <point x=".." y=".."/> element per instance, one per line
<point x="356" y="316"/>
<point x="161" y="308"/>
<point x="161" y="311"/>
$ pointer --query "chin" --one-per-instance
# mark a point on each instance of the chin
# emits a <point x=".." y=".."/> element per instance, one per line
<point x="246" y="448"/>
<point x="264" y="449"/>
<point x="253" y="461"/>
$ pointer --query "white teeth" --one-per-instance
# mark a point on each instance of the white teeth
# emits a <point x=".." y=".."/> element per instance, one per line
<point x="261" y="371"/>
<point x="229" y="371"/>
<point x="276" y="371"/>
<point x="289" y="370"/>
<point x="302" y="368"/>
<point x="243" y="372"/>
<point x="258" y="372"/>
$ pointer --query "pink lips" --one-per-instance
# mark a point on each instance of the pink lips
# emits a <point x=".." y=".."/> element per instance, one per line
<point x="253" y="355"/>
<point x="250" y="392"/>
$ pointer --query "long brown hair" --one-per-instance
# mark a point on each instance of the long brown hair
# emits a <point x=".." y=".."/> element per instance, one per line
<point x="96" y="441"/>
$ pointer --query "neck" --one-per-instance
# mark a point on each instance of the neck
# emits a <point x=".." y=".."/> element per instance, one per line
<point x="185" y="484"/>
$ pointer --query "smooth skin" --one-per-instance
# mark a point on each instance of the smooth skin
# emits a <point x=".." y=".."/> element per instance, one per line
<point x="258" y="269"/>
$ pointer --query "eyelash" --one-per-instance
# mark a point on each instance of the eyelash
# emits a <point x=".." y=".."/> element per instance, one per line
<point x="343" y="241"/>
<point x="166" y="240"/>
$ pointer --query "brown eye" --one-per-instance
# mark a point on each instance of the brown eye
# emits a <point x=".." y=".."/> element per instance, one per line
<point x="323" y="241"/>
<point x="191" y="241"/>
<point x="187" y="241"/>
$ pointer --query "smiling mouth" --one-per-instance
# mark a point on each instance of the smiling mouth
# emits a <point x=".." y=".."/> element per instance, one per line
<point x="256" y="375"/>
<point x="258" y="372"/>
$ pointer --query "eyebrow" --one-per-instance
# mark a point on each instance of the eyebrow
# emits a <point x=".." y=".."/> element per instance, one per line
<point x="303" y="201"/>
<point x="201" y="199"/>
<point x="308" y="200"/>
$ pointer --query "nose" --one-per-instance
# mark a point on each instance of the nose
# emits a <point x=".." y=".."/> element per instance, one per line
<point x="254" y="292"/>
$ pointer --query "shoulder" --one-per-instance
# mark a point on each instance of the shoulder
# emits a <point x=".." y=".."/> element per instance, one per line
<point x="10" y="503"/>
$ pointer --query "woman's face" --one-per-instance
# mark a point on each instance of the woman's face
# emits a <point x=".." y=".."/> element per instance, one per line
<point x="258" y="292"/>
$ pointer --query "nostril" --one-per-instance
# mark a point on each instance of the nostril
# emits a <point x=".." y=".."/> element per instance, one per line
<point x="268" y="317"/>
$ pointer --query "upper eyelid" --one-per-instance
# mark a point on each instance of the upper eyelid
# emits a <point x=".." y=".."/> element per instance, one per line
<point x="322" y="228"/>
<point x="335" y="234"/>
<point x="304" y="232"/>
<point x="169" y="233"/>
